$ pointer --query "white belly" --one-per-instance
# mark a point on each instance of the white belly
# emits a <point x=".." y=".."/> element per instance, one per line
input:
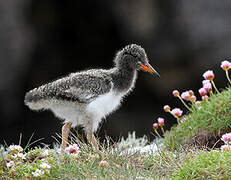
<point x="104" y="105"/>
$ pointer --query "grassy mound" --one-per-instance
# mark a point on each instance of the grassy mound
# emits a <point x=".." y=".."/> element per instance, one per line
<point x="205" y="124"/>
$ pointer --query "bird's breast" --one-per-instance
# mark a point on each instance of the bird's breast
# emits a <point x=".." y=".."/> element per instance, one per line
<point x="105" y="104"/>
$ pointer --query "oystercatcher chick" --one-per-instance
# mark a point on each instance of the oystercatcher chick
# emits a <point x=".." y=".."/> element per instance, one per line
<point x="85" y="98"/>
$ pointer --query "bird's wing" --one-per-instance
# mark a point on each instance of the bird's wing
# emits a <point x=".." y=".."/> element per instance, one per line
<point x="82" y="87"/>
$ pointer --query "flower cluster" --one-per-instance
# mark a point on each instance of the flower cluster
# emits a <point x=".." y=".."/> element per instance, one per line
<point x="36" y="161"/>
<point x="205" y="90"/>
<point x="189" y="99"/>
<point x="38" y="173"/>
<point x="226" y="138"/>
<point x="16" y="153"/>
<point x="14" y="149"/>
<point x="187" y="95"/>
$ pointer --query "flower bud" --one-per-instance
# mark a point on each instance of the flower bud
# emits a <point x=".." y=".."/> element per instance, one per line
<point x="155" y="126"/>
<point x="160" y="121"/>
<point x="191" y="93"/>
<point x="167" y="108"/>
<point x="193" y="98"/>
<point x="197" y="102"/>
<point x="175" y="93"/>
<point x="205" y="98"/>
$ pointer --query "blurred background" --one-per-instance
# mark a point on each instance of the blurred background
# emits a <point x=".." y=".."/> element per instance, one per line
<point x="43" y="40"/>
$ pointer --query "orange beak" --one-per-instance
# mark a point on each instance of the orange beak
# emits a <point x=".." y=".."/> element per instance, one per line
<point x="148" y="68"/>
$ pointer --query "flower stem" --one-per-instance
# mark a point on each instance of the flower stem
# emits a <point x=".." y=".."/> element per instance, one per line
<point x="162" y="129"/>
<point x="211" y="93"/>
<point x="227" y="75"/>
<point x="184" y="103"/>
<point x="193" y="105"/>
<point x="178" y="120"/>
<point x="157" y="133"/>
<point x="214" y="86"/>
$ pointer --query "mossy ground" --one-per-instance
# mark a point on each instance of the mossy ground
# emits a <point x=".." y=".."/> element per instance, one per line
<point x="184" y="163"/>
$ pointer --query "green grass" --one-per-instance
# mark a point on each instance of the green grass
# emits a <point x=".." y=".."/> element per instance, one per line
<point x="205" y="165"/>
<point x="210" y="120"/>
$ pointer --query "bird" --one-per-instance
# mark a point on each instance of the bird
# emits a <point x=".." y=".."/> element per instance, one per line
<point x="86" y="97"/>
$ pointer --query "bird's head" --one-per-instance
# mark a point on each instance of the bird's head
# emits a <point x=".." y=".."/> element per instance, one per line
<point x="134" y="56"/>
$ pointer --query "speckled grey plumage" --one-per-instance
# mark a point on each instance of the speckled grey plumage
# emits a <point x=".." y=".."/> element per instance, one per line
<point x="78" y="90"/>
<point x="81" y="87"/>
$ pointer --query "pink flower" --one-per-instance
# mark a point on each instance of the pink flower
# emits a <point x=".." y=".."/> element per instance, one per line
<point x="225" y="65"/>
<point x="202" y="91"/>
<point x="197" y="102"/>
<point x="160" y="121"/>
<point x="185" y="95"/>
<point x="177" y="112"/>
<point x="208" y="87"/>
<point x="72" y="149"/>
<point x="155" y="126"/>
<point x="193" y="98"/>
<point x="167" y="108"/>
<point x="205" y="82"/>
<point x="191" y="92"/>
<point x="209" y="75"/>
<point x="205" y="98"/>
<point x="226" y="137"/>
<point x="226" y="147"/>
<point x="175" y="93"/>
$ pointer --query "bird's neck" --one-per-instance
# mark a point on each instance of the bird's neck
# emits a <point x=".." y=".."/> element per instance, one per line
<point x="124" y="79"/>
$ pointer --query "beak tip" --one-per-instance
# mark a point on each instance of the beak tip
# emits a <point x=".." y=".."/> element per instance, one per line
<point x="157" y="74"/>
<point x="148" y="68"/>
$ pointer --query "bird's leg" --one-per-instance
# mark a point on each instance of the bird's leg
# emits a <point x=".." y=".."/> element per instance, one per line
<point x="91" y="139"/>
<point x="65" y="133"/>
